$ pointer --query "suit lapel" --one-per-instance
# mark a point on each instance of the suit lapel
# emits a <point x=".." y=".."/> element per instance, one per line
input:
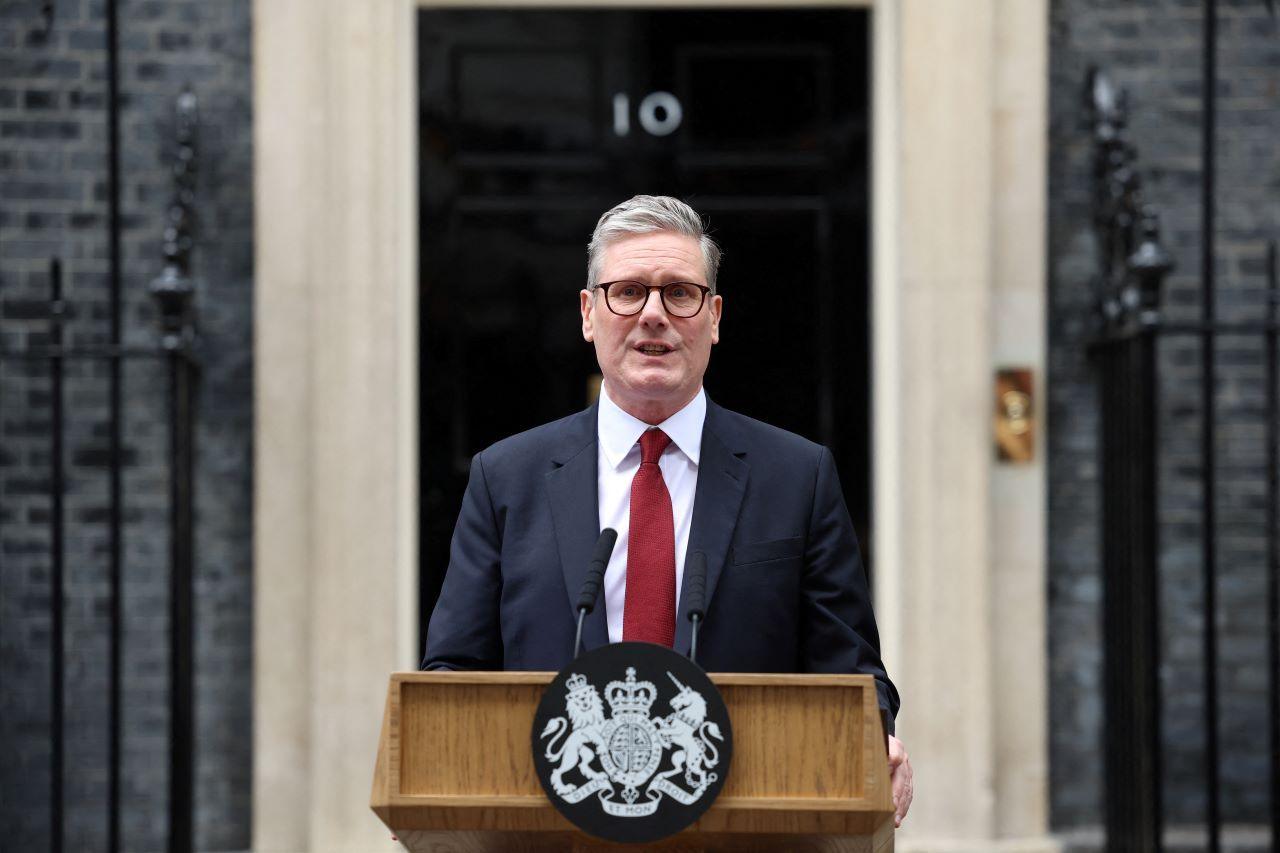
<point x="722" y="481"/>
<point x="575" y="511"/>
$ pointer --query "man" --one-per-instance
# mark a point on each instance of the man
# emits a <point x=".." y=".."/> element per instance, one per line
<point x="673" y="473"/>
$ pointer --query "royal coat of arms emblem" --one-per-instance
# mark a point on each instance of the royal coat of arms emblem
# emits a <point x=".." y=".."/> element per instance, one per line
<point x="624" y="753"/>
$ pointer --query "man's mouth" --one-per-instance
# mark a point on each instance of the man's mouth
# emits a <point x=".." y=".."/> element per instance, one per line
<point x="654" y="348"/>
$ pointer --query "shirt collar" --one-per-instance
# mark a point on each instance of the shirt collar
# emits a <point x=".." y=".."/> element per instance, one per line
<point x="618" y="431"/>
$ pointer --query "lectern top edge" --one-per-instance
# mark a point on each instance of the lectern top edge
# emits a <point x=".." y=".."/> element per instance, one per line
<point x="734" y="679"/>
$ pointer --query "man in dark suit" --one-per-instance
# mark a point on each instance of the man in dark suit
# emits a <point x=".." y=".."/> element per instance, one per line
<point x="673" y="473"/>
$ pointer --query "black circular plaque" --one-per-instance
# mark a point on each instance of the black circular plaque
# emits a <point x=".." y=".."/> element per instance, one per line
<point x="632" y="742"/>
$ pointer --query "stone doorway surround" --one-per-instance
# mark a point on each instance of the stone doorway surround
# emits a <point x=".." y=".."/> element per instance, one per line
<point x="959" y="264"/>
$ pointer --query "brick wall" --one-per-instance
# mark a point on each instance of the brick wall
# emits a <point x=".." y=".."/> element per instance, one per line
<point x="53" y="186"/>
<point x="1153" y="48"/>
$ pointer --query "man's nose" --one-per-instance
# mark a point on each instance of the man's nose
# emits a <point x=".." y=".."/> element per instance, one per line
<point x="654" y="311"/>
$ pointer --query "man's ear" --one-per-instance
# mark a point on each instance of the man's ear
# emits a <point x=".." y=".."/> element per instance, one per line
<point x="717" y="307"/>
<point x="584" y="305"/>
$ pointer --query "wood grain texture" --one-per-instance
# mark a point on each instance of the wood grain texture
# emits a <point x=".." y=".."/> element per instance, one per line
<point x="788" y="739"/>
<point x="381" y="770"/>
<point x="468" y="739"/>
<point x="455" y="768"/>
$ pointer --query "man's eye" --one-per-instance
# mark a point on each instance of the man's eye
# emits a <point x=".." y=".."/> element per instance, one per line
<point x="628" y="291"/>
<point x="678" y="291"/>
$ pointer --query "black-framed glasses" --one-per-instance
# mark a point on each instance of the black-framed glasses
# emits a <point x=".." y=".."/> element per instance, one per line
<point x="628" y="298"/>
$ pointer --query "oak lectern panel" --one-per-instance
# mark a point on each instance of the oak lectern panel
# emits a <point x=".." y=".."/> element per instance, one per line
<point x="455" y="770"/>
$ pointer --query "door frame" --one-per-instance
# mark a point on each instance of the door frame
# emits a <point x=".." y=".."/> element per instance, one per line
<point x="958" y="265"/>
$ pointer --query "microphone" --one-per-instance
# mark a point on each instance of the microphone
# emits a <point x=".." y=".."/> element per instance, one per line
<point x="595" y="577"/>
<point x="695" y="582"/>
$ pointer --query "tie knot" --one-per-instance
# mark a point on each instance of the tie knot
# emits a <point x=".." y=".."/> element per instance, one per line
<point x="652" y="443"/>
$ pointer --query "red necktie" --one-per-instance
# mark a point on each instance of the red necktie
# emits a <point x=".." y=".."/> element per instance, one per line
<point x="649" y="612"/>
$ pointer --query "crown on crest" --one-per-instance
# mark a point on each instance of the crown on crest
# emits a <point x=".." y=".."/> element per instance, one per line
<point x="631" y="696"/>
<point x="577" y="683"/>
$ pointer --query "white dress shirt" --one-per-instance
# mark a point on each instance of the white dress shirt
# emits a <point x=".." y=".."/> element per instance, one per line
<point x="618" y="451"/>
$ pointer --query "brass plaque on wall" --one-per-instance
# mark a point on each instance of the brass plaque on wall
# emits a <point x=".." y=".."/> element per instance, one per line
<point x="1013" y="421"/>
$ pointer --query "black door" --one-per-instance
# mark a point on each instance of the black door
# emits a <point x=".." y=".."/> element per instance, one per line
<point x="533" y="123"/>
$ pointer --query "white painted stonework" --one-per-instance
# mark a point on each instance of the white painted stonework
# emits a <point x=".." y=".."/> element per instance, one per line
<point x="959" y="170"/>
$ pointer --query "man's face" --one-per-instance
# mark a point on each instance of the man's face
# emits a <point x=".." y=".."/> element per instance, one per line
<point x="652" y="362"/>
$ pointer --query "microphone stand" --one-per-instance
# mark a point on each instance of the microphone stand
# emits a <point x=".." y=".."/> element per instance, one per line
<point x="577" y="639"/>
<point x="693" y="637"/>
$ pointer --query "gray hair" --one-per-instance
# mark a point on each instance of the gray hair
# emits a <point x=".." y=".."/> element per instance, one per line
<point x="645" y="214"/>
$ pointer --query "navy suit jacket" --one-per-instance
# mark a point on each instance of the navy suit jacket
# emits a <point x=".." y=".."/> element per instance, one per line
<point x="786" y="590"/>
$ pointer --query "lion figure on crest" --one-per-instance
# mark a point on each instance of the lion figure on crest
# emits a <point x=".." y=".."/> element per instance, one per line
<point x="585" y="727"/>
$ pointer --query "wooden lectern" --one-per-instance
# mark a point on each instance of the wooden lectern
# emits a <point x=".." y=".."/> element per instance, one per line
<point x="455" y="770"/>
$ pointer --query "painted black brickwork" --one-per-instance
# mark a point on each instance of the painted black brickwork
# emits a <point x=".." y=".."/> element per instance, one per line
<point x="53" y="184"/>
<point x="1153" y="47"/>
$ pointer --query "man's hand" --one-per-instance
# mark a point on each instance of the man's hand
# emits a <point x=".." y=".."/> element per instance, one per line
<point x="900" y="779"/>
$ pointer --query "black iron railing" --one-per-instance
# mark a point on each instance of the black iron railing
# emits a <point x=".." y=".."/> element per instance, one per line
<point x="173" y="293"/>
<point x="1132" y="268"/>
<point x="1133" y="265"/>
